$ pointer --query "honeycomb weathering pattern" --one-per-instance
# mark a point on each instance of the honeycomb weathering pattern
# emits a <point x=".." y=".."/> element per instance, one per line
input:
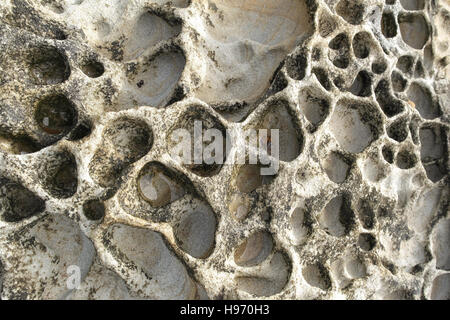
<point x="91" y="89"/>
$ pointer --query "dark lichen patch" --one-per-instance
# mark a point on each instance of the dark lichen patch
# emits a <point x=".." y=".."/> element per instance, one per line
<point x="17" y="202"/>
<point x="55" y="114"/>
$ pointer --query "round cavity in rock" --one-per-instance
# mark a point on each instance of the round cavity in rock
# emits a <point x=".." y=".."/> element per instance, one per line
<point x="17" y="202"/>
<point x="414" y="29"/>
<point x="92" y="68"/>
<point x="390" y="105"/>
<point x="270" y="280"/>
<point x="322" y="77"/>
<point x="406" y="160"/>
<point x="361" y="45"/>
<point x="440" y="289"/>
<point x="337" y="218"/>
<point x="352" y="11"/>
<point x="398" y="130"/>
<point x="355" y="268"/>
<point x="254" y="250"/>
<point x="56" y="114"/>
<point x="299" y="226"/>
<point x="336" y="167"/>
<point x="48" y="66"/>
<point x="423" y="102"/>
<point x="94" y="210"/>
<point x="405" y="64"/>
<point x="239" y="207"/>
<point x="157" y="188"/>
<point x="379" y="67"/>
<point x="388" y="25"/>
<point x="388" y="154"/>
<point x="398" y="82"/>
<point x="362" y="86"/>
<point x="341" y="46"/>
<point x="296" y="66"/>
<point x="349" y="128"/>
<point x="61" y="179"/>
<point x="317" y="276"/>
<point x="366" y="214"/>
<point x="314" y="106"/>
<point x="195" y="233"/>
<point x="366" y="241"/>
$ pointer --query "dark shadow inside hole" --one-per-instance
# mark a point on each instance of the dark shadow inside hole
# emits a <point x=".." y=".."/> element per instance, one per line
<point x="398" y="130"/>
<point x="93" y="68"/>
<point x="55" y="114"/>
<point x="406" y="160"/>
<point x="361" y="45"/>
<point x="388" y="25"/>
<point x="362" y="86"/>
<point x="322" y="76"/>
<point x="94" y="210"/>
<point x="48" y="66"/>
<point x="388" y="154"/>
<point x="398" y="82"/>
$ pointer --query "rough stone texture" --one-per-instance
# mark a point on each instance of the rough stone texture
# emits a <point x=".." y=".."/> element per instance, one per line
<point x="90" y="90"/>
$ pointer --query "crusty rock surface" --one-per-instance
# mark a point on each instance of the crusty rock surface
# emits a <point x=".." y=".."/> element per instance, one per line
<point x="90" y="91"/>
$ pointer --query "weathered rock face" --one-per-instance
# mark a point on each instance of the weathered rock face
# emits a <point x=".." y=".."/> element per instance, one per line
<point x="90" y="91"/>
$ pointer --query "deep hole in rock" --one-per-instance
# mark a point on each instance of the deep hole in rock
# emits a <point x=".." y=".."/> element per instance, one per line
<point x="361" y="45"/>
<point x="19" y="145"/>
<point x="422" y="99"/>
<point x="322" y="76"/>
<point x="398" y="82"/>
<point x="398" y="130"/>
<point x="351" y="10"/>
<point x="366" y="241"/>
<point x="94" y="209"/>
<point x="336" y="167"/>
<point x="211" y="150"/>
<point x="313" y="106"/>
<point x="405" y="64"/>
<point x="435" y="171"/>
<point x="61" y="178"/>
<point x="341" y="46"/>
<point x="388" y="154"/>
<point x="47" y="66"/>
<point x="17" y="202"/>
<point x="406" y="159"/>
<point x="56" y="114"/>
<point x="92" y="68"/>
<point x="379" y="67"/>
<point x="362" y="86"/>
<point x="158" y="185"/>
<point x="279" y="116"/>
<point x="388" y="25"/>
